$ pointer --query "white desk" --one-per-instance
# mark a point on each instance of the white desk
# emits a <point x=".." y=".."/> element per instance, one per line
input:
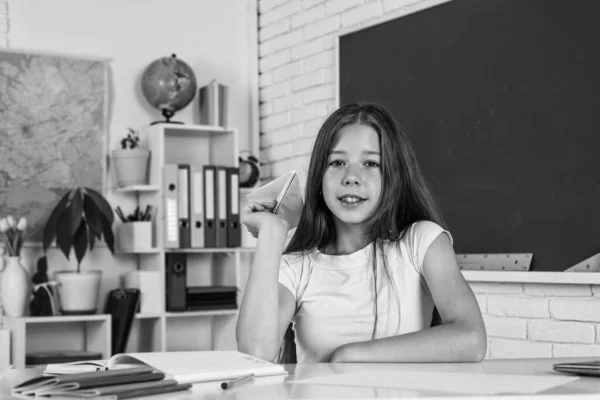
<point x="582" y="388"/>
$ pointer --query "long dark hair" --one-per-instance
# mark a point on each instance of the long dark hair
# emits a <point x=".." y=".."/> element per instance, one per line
<point x="405" y="197"/>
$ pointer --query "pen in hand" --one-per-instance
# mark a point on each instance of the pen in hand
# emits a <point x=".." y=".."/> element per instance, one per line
<point x="237" y="382"/>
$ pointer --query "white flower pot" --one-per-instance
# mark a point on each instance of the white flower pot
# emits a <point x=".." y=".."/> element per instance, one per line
<point x="78" y="291"/>
<point x="131" y="166"/>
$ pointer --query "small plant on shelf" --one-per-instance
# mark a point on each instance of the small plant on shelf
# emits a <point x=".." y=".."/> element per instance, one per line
<point x="130" y="160"/>
<point x="131" y="141"/>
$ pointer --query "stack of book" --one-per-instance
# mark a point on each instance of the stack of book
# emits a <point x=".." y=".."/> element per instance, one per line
<point x="129" y="375"/>
<point x="211" y="297"/>
<point x="119" y="383"/>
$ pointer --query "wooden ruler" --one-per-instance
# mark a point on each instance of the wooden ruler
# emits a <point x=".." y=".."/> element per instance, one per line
<point x="495" y="262"/>
<point x="591" y="264"/>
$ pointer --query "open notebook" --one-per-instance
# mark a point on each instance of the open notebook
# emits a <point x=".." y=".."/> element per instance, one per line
<point x="182" y="366"/>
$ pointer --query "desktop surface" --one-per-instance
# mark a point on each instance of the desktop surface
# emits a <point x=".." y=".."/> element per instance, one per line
<point x="519" y="379"/>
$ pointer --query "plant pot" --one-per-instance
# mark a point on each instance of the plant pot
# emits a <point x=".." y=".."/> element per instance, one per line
<point x="131" y="166"/>
<point x="78" y="291"/>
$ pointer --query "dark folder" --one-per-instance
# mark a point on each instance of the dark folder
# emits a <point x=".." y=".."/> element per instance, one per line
<point x="121" y="304"/>
<point x="234" y="231"/>
<point x="221" y="207"/>
<point x="210" y="172"/>
<point x="183" y="205"/>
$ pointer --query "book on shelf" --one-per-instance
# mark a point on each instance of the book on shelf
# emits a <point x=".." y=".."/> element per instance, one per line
<point x="108" y="384"/>
<point x="182" y="366"/>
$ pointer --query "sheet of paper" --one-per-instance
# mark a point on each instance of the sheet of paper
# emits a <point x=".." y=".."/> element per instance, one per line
<point x="463" y="383"/>
<point x="291" y="205"/>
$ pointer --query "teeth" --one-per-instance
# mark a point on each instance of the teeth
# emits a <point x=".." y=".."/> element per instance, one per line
<point x="351" y="199"/>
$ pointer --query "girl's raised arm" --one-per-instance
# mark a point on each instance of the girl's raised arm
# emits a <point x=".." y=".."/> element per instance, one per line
<point x="267" y="307"/>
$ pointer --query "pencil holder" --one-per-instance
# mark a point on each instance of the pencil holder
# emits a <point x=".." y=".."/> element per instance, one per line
<point x="135" y="235"/>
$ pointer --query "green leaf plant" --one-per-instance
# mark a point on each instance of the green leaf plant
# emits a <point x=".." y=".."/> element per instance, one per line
<point x="81" y="217"/>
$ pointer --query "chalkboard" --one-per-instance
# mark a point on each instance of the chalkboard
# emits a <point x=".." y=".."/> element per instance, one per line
<point x="501" y="102"/>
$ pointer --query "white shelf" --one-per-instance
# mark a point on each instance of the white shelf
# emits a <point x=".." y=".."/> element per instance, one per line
<point x="207" y="313"/>
<point x="153" y="250"/>
<point x="147" y="316"/>
<point x="138" y="188"/>
<point x="52" y="319"/>
<point x="194" y="130"/>
<point x="96" y="331"/>
<point x="574" y="278"/>
<point x="204" y="250"/>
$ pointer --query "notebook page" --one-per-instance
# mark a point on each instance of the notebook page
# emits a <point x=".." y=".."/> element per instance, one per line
<point x="202" y="366"/>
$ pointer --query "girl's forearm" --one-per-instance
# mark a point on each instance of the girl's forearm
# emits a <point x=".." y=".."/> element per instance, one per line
<point x="257" y="325"/>
<point x="451" y="342"/>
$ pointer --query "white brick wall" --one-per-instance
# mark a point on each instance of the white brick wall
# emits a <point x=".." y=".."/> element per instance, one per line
<point x="540" y="320"/>
<point x="297" y="92"/>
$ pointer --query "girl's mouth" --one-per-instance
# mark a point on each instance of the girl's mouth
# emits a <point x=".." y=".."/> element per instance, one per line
<point x="351" y="201"/>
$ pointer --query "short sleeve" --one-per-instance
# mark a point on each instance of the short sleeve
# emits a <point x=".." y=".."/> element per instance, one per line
<point x="418" y="239"/>
<point x="289" y="274"/>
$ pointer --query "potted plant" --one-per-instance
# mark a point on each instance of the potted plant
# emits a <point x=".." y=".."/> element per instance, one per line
<point x="131" y="161"/>
<point x="81" y="217"/>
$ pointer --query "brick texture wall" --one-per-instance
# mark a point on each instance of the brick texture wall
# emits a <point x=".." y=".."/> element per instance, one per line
<point x="297" y="91"/>
<point x="3" y="24"/>
<point x="540" y="320"/>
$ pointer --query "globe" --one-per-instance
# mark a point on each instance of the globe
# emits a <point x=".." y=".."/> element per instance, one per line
<point x="169" y="85"/>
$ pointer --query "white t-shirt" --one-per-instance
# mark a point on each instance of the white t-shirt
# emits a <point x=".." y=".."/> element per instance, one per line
<point x="335" y="300"/>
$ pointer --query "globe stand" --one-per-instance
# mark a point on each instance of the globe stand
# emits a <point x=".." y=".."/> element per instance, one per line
<point x="167" y="114"/>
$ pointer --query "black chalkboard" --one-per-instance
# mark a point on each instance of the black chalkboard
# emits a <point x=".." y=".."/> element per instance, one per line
<point x="501" y="101"/>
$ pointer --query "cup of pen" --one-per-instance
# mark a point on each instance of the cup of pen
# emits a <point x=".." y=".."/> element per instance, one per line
<point x="134" y="233"/>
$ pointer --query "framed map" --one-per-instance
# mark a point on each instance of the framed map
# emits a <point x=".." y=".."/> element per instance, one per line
<point x="53" y="127"/>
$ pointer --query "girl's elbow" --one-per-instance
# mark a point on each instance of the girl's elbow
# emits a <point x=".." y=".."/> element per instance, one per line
<point x="477" y="346"/>
<point x="257" y="350"/>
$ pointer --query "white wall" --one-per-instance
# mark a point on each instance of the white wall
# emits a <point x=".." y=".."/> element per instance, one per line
<point x="216" y="38"/>
<point x="297" y="91"/>
<point x="4" y="21"/>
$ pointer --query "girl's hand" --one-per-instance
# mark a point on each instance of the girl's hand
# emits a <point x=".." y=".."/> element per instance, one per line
<point x="259" y="216"/>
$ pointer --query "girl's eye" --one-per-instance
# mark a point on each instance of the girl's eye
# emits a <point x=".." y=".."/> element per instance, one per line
<point x="336" y="163"/>
<point x="372" y="164"/>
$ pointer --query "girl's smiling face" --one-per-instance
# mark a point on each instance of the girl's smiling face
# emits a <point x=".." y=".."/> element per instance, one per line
<point x="352" y="180"/>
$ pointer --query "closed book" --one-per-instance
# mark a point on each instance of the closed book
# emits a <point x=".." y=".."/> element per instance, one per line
<point x="50" y="357"/>
<point x="58" y="384"/>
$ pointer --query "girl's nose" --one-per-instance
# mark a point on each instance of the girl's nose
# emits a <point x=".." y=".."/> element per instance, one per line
<point x="352" y="177"/>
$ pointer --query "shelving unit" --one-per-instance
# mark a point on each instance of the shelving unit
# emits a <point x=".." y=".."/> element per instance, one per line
<point x="160" y="330"/>
<point x="190" y="330"/>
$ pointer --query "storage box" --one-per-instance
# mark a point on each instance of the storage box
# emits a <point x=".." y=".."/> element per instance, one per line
<point x="134" y="235"/>
<point x="148" y="282"/>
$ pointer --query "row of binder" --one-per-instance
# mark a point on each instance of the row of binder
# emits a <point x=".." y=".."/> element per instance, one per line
<point x="201" y="206"/>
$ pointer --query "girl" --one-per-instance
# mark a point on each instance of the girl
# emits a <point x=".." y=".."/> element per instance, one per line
<point x="367" y="263"/>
